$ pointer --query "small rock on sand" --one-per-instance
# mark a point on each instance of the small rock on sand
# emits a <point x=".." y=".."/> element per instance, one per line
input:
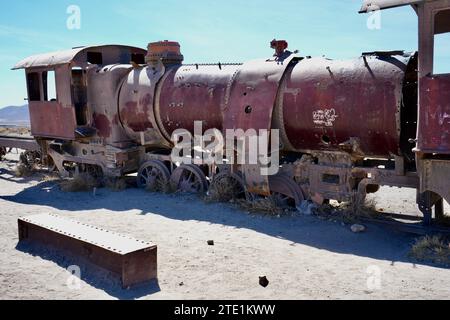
<point x="263" y="282"/>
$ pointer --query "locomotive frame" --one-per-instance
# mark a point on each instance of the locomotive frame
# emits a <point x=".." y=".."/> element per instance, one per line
<point x="111" y="105"/>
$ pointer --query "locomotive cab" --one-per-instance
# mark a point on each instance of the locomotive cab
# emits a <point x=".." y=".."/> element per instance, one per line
<point x="433" y="133"/>
<point x="58" y="88"/>
<point x="51" y="112"/>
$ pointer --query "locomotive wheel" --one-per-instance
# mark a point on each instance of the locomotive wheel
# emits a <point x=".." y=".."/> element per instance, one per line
<point x="154" y="176"/>
<point x="227" y="186"/>
<point x="189" y="179"/>
<point x="285" y="192"/>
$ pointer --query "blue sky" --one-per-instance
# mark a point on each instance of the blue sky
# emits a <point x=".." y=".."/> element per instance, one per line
<point x="208" y="30"/>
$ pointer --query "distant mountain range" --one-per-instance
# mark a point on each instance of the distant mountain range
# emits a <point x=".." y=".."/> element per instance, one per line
<point x="15" y="115"/>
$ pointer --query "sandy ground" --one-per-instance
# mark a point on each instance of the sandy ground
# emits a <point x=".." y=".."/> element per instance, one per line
<point x="302" y="256"/>
<point x="14" y="131"/>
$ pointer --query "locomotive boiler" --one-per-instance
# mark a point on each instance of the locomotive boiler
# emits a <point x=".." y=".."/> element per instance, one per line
<point x="346" y="127"/>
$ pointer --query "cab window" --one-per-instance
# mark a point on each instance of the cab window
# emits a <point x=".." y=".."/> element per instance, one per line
<point x="49" y="85"/>
<point x="34" y="86"/>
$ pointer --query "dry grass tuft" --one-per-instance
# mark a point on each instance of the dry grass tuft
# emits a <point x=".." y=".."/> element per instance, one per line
<point x="261" y="205"/>
<point x="161" y="186"/>
<point x="80" y="183"/>
<point x="369" y="209"/>
<point x="347" y="212"/>
<point x="435" y="249"/>
<point x="50" y="177"/>
<point x="22" y="170"/>
<point x="223" y="191"/>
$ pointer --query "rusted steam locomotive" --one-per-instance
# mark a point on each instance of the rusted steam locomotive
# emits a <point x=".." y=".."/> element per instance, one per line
<point x="346" y="127"/>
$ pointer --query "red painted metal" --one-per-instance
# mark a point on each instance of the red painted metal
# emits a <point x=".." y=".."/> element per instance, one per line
<point x="50" y="119"/>
<point x="136" y="101"/>
<point x="324" y="104"/>
<point x="192" y="93"/>
<point x="251" y="105"/>
<point x="434" y="115"/>
<point x="253" y="94"/>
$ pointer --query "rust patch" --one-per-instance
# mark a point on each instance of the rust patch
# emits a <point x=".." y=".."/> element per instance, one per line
<point x="103" y="125"/>
<point x="133" y="118"/>
<point x="322" y="108"/>
<point x="146" y="101"/>
<point x="116" y="120"/>
<point x="434" y="115"/>
<point x="51" y="119"/>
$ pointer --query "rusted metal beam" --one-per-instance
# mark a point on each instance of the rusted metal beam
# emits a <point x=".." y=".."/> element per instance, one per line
<point x="23" y="143"/>
<point x="371" y="5"/>
<point x="132" y="260"/>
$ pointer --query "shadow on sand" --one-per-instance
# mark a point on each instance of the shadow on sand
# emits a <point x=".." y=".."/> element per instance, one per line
<point x="376" y="243"/>
<point x="90" y="273"/>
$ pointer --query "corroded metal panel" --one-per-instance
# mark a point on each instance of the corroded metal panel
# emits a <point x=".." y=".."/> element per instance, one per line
<point x="251" y="103"/>
<point x="50" y="119"/>
<point x="63" y="86"/>
<point x="133" y="260"/>
<point x="253" y="94"/>
<point x="435" y="177"/>
<point x="136" y="104"/>
<point x="192" y="93"/>
<point x="434" y="115"/>
<point x="434" y="90"/>
<point x="102" y="96"/>
<point x="352" y="105"/>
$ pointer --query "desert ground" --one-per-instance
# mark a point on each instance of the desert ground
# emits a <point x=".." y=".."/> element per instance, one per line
<point x="14" y="131"/>
<point x="302" y="256"/>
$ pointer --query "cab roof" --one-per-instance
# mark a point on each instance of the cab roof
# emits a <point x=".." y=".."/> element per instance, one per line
<point x="371" y="5"/>
<point x="79" y="56"/>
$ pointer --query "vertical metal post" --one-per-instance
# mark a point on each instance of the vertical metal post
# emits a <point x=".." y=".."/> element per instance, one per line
<point x="425" y="206"/>
<point x="439" y="209"/>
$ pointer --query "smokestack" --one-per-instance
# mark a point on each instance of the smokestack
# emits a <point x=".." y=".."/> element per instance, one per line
<point x="168" y="52"/>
